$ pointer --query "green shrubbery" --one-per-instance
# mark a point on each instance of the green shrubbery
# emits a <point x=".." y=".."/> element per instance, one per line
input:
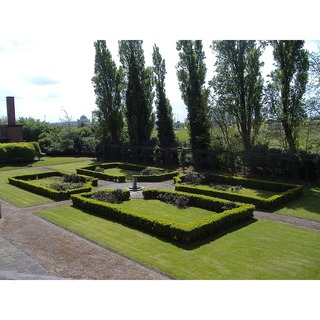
<point x="187" y="232"/>
<point x="111" y="196"/>
<point x="19" y="152"/>
<point x="144" y="174"/>
<point x="25" y="182"/>
<point x="287" y="192"/>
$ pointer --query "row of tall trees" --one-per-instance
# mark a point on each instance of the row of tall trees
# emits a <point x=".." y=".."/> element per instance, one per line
<point x="125" y="95"/>
<point x="236" y="95"/>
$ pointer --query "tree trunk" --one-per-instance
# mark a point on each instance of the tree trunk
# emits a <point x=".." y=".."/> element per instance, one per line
<point x="289" y="136"/>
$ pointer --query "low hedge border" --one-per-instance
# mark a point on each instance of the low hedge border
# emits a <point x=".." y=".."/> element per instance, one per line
<point x="90" y="170"/>
<point x="184" y="233"/>
<point x="23" y="182"/>
<point x="287" y="192"/>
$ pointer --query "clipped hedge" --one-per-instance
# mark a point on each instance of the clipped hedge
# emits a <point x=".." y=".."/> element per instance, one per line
<point x="23" y="182"/>
<point x="287" y="192"/>
<point x="90" y="171"/>
<point x="184" y="233"/>
<point x="19" y="152"/>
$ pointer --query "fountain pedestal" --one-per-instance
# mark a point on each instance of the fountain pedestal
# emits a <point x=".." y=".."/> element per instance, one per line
<point x="135" y="184"/>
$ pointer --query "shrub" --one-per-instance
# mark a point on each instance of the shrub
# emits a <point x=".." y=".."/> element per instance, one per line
<point x="176" y="200"/>
<point x="150" y="177"/>
<point x="115" y="196"/>
<point x="64" y="186"/>
<point x="192" y="178"/>
<point x="286" y="192"/>
<point x="73" y="178"/>
<point x="174" y="231"/>
<point x="25" y="182"/>
<point x="21" y="152"/>
<point x="150" y="171"/>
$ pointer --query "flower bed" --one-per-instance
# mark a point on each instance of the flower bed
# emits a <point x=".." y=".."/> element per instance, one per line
<point x="220" y="217"/>
<point x="25" y="182"/>
<point x="285" y="192"/>
<point x="98" y="172"/>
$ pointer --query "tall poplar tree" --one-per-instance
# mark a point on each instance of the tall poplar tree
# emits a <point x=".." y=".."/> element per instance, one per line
<point x="108" y="83"/>
<point x="164" y="118"/>
<point x="139" y="91"/>
<point x="287" y="86"/>
<point x="191" y="73"/>
<point x="238" y="86"/>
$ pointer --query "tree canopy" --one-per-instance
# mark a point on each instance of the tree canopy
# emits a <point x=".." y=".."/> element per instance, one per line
<point x="191" y="73"/>
<point x="139" y="91"/>
<point x="164" y="120"/>
<point x="287" y="86"/>
<point x="108" y="86"/>
<point x="238" y="86"/>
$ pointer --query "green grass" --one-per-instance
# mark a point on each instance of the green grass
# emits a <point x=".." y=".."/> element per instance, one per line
<point x="156" y="208"/>
<point x="69" y="166"/>
<point x="259" y="250"/>
<point x="307" y="207"/>
<point x="17" y="196"/>
<point x="118" y="171"/>
<point x="264" y="194"/>
<point x="22" y="198"/>
<point x="182" y="135"/>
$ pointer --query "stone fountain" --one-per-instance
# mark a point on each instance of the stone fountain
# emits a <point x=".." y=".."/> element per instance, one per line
<point x="135" y="186"/>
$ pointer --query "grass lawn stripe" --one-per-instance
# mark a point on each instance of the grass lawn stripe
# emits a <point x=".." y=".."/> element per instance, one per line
<point x="18" y="196"/>
<point x="307" y="206"/>
<point x="260" y="250"/>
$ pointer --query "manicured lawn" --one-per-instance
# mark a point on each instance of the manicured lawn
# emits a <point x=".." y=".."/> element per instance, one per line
<point x="50" y="161"/>
<point x="17" y="196"/>
<point x="70" y="167"/>
<point x="264" y="194"/>
<point x="307" y="207"/>
<point x="22" y="198"/>
<point x="118" y="171"/>
<point x="258" y="250"/>
<point x="156" y="208"/>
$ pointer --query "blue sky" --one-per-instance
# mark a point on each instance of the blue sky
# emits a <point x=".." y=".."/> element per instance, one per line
<point x="47" y="56"/>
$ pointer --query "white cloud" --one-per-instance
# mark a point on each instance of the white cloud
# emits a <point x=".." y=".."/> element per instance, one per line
<point x="45" y="76"/>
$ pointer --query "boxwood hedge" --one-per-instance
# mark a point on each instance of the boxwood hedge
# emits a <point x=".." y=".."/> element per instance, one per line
<point x="19" y="152"/>
<point x="23" y="182"/>
<point x="287" y="192"/>
<point x="184" y="233"/>
<point x="91" y="171"/>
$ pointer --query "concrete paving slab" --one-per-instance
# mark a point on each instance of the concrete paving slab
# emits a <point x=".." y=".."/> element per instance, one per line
<point x="16" y="265"/>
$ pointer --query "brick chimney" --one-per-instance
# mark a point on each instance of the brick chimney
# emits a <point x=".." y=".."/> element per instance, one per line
<point x="11" y="111"/>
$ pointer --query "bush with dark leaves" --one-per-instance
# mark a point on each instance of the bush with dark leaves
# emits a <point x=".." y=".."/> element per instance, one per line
<point x="73" y="178"/>
<point x="192" y="178"/>
<point x="176" y="200"/>
<point x="64" y="186"/>
<point x="228" y="206"/>
<point x="150" y="171"/>
<point x="116" y="196"/>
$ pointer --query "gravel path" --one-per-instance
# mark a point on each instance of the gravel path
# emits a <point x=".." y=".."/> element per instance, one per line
<point x="64" y="253"/>
<point x="68" y="255"/>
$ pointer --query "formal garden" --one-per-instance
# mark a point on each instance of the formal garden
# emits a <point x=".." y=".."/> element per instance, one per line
<point x="186" y="233"/>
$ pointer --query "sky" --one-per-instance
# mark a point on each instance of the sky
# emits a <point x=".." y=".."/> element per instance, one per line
<point x="47" y="61"/>
<point x="51" y="75"/>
